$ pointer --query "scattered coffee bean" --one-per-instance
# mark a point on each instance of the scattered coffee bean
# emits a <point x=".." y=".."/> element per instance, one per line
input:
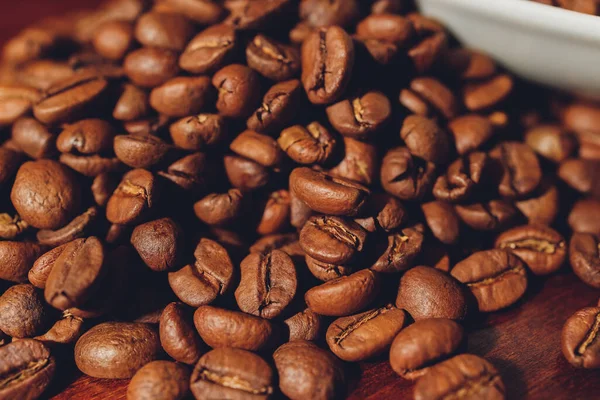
<point x="579" y="338"/>
<point x="160" y="380"/>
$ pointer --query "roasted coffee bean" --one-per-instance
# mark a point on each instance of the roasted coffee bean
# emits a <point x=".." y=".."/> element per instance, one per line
<point x="133" y="104"/>
<point x="204" y="12"/>
<point x="182" y="96"/>
<point x="578" y="339"/>
<point x="461" y="178"/>
<point x="140" y="151"/>
<point x="91" y="166"/>
<point x="345" y="295"/>
<point x="496" y="278"/>
<point x="178" y="336"/>
<point x="326" y="194"/>
<point x="66" y="330"/>
<point x="426" y="292"/>
<point x="428" y="97"/>
<point x="312" y="144"/>
<point x="382" y="213"/>
<point x="26" y="369"/>
<point x="16" y="101"/>
<point x="466" y="373"/>
<point x="150" y="66"/>
<point x="328" y="50"/>
<point x="164" y="30"/>
<point x="468" y="64"/>
<point x="381" y="51"/>
<point x="483" y="95"/>
<point x="332" y="239"/>
<point x="113" y="39"/>
<point x="31" y="43"/>
<point x="198" y="131"/>
<point x="88" y="136"/>
<point x="584" y="255"/>
<point x="190" y="172"/>
<point x="220" y="208"/>
<point x="16" y="259"/>
<point x="360" y="163"/>
<point x="319" y="13"/>
<point x="272" y="59"/>
<point x="227" y="373"/>
<point x="209" y="50"/>
<point x="519" y="169"/>
<point x="442" y="221"/>
<point x="487" y="216"/>
<point x="362" y="116"/>
<point x="159" y="243"/>
<point x="268" y="284"/>
<point x="543" y="249"/>
<point x="73" y="230"/>
<point x="68" y="99"/>
<point x="585" y="216"/>
<point x="543" y="207"/>
<point x="219" y="327"/>
<point x="582" y="175"/>
<point x="470" y="132"/>
<point x="305" y="325"/>
<point x="362" y="336"/>
<point x="116" y="350"/>
<point x="245" y="175"/>
<point x="164" y="380"/>
<point x="239" y="90"/>
<point x="324" y="271"/>
<point x="423" y="344"/>
<point x="278" y="108"/>
<point x="406" y="176"/>
<point x="425" y="139"/>
<point x="551" y="142"/>
<point x="308" y="372"/>
<point x="38" y="274"/>
<point x="153" y="125"/>
<point x="24" y="311"/>
<point x="132" y="199"/>
<point x="386" y="27"/>
<point x="276" y="215"/>
<point x="257" y="147"/>
<point x="11" y="227"/>
<point x="400" y="251"/>
<point x="255" y="14"/>
<point x="33" y="138"/>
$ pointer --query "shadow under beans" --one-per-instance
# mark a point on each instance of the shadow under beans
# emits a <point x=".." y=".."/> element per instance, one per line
<point x="512" y="376"/>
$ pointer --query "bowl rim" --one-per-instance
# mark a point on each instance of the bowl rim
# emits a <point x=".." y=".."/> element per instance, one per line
<point x="555" y="21"/>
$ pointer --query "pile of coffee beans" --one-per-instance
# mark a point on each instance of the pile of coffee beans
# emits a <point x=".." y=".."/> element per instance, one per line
<point x="232" y="198"/>
<point x="591" y="7"/>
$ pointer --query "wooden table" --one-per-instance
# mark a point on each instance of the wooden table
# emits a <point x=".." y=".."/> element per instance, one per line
<point x="523" y="341"/>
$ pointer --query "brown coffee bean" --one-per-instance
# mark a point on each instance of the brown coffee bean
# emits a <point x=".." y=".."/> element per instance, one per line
<point x="91" y="166"/>
<point x="159" y="243"/>
<point x="328" y="49"/>
<point x="383" y="212"/>
<point x="11" y="227"/>
<point x="113" y="39"/>
<point x="332" y="239"/>
<point x="257" y="147"/>
<point x="73" y="230"/>
<point x="24" y="311"/>
<point x="190" y="172"/>
<point x="582" y="175"/>
<point x="210" y="276"/>
<point x="133" y="104"/>
<point x="308" y="372"/>
<point x="578" y="339"/>
<point x="482" y="95"/>
<point x="461" y="178"/>
<point x="209" y="50"/>
<point x="245" y="175"/>
<point x="399" y="251"/>
<point x="496" y="278"/>
<point x="16" y="101"/>
<point x="423" y="344"/>
<point x="425" y="139"/>
<point x="543" y="208"/>
<point x="305" y="325"/>
<point x="442" y="221"/>
<point x="227" y="373"/>
<point x="518" y="167"/>
<point x="255" y="14"/>
<point x="140" y="151"/>
<point x="16" y="258"/>
<point x="344" y="296"/>
<point x="182" y="96"/>
<point x="311" y="145"/>
<point x="38" y="274"/>
<point x="426" y="292"/>
<point x="30" y="44"/>
<point x="220" y="208"/>
<point x="470" y="132"/>
<point x="465" y="373"/>
<point x="428" y="97"/>
<point x="324" y="271"/>
<point x="386" y="27"/>
<point x="487" y="216"/>
<point x="163" y="380"/>
<point x="406" y="176"/>
<point x="273" y="59"/>
<point x="132" y="199"/>
<point x="585" y="216"/>
<point x="43" y="74"/>
<point x="33" y="138"/>
<point x="360" y="117"/>
<point x="584" y="253"/>
<point x="164" y="30"/>
<point x="268" y="284"/>
<point x="88" y="136"/>
<point x="468" y="64"/>
<point x="326" y="194"/>
<point x="178" y="336"/>
<point x="360" y="163"/>
<point x="279" y="107"/>
<point x="239" y="90"/>
<point x="66" y="330"/>
<point x="197" y="132"/>
<point x="68" y="99"/>
<point x="551" y="142"/>
<point x="219" y="327"/>
<point x="151" y="67"/>
<point x="116" y="350"/>
<point x="205" y="12"/>
<point x="27" y="368"/>
<point x="362" y="336"/>
<point x="319" y="13"/>
<point x="153" y="125"/>
<point x="276" y="215"/>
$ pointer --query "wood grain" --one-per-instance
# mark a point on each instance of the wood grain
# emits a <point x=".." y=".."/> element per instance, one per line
<point x="523" y="341"/>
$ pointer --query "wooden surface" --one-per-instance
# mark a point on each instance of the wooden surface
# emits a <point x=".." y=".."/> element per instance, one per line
<point x="523" y="341"/>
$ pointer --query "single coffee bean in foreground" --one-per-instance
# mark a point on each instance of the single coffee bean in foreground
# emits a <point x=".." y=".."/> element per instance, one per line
<point x="579" y="339"/>
<point x="164" y="380"/>
<point x="178" y="336"/>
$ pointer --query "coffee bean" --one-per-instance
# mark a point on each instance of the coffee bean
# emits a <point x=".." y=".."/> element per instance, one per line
<point x="551" y="142"/>
<point x="152" y="125"/>
<point x="151" y="67"/>
<point x="328" y="49"/>
<point x="133" y="104"/>
<point x="73" y="230"/>
<point x="461" y="178"/>
<point x="487" y="216"/>
<point x="332" y="239"/>
<point x="24" y="311"/>
<point x="519" y="169"/>
<point x="239" y="90"/>
<point x="32" y="43"/>
<point x="132" y="199"/>
<point x="27" y="369"/>
<point x="345" y="295"/>
<point x="245" y="175"/>
<point x="257" y="147"/>
<point x="66" y="330"/>
<point x="11" y="227"/>
<point x="305" y="325"/>
<point x="268" y="284"/>
<point x="182" y="96"/>
<point x="483" y="95"/>
<point x="425" y="139"/>
<point x="382" y="213"/>
<point x="91" y="166"/>
<point x="470" y="132"/>
<point x="219" y="327"/>
<point x="585" y="216"/>
<point x="220" y="209"/>
<point x="312" y="144"/>
<point x="159" y="243"/>
<point x="38" y="274"/>
<point x="210" y="276"/>
<point x="116" y="350"/>
<point x="190" y="172"/>
<point x="279" y="107"/>
<point x="88" y="136"/>
<point x="426" y="292"/>
<point x="113" y="39"/>
<point x="203" y="12"/>
<point x="16" y="101"/>
<point x="164" y="30"/>
<point x="360" y="163"/>
<point x="276" y="215"/>
<point x="362" y="336"/>
<point x="324" y="271"/>
<point x="273" y="59"/>
<point x="584" y="253"/>
<point x="43" y="74"/>
<point x="431" y="42"/>
<point x="362" y="116"/>
<point x="582" y="175"/>
<point x="399" y="251"/>
<point x="543" y="207"/>
<point x="386" y="27"/>
<point x="16" y="258"/>
<point x="428" y="97"/>
<point x="255" y="14"/>
<point x="232" y="374"/>
<point x="469" y="64"/>
<point x="209" y="50"/>
<point x="496" y="278"/>
<point x="442" y="221"/>
<point x="33" y="138"/>
<point x="140" y="151"/>
<point x="326" y="194"/>
<point x="160" y="380"/>
<point x="197" y="132"/>
<point x="466" y="373"/>
<point x="578" y="339"/>
<point x="308" y="372"/>
<point x="406" y="176"/>
<point x="319" y="13"/>
<point x="178" y="336"/>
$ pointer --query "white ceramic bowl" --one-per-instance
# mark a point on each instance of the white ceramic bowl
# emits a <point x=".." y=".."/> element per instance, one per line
<point x="545" y="44"/>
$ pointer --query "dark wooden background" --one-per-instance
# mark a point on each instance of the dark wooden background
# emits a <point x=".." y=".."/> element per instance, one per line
<point x="523" y="341"/>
